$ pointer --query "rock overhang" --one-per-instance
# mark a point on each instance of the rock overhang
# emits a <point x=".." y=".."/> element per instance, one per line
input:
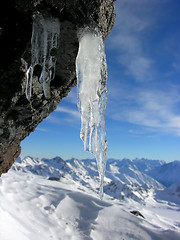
<point x="19" y="117"/>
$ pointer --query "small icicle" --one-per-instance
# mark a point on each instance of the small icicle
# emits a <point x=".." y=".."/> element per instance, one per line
<point x="44" y="44"/>
<point x="91" y="70"/>
<point x="29" y="77"/>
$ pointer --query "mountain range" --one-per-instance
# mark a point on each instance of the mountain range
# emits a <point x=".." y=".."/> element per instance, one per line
<point x="58" y="200"/>
<point x="133" y="179"/>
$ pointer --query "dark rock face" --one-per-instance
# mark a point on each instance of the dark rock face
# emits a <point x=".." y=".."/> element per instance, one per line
<point x="18" y="116"/>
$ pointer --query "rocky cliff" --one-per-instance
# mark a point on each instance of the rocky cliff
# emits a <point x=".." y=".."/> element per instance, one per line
<point x="18" y="116"/>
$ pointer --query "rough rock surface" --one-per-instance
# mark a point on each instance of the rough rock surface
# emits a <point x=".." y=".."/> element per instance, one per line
<point x="18" y="116"/>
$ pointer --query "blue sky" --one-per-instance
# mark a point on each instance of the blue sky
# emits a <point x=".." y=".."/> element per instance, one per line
<point x="143" y="109"/>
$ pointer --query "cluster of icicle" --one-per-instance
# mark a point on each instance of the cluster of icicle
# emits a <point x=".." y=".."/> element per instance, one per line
<point x="91" y="71"/>
<point x="44" y="43"/>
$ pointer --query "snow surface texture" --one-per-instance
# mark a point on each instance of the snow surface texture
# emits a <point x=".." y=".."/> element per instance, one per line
<point x="91" y="71"/>
<point x="33" y="207"/>
<point x="44" y="41"/>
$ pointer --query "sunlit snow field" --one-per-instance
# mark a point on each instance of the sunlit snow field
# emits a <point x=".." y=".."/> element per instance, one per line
<point x="33" y="207"/>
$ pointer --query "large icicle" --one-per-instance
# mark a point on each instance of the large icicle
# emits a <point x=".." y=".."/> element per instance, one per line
<point x="91" y="73"/>
<point x="44" y="43"/>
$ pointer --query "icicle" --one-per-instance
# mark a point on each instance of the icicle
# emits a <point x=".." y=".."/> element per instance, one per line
<point x="29" y="77"/>
<point x="91" y="70"/>
<point x="44" y="43"/>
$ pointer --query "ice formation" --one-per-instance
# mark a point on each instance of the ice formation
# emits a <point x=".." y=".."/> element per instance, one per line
<point x="91" y="70"/>
<point x="44" y="43"/>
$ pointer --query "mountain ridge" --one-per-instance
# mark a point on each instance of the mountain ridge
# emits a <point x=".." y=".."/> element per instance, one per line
<point x="124" y="178"/>
<point x="167" y="174"/>
<point x="70" y="205"/>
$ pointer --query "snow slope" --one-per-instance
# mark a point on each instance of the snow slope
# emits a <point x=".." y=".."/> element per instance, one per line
<point x="145" y="165"/>
<point x="127" y="172"/>
<point x="166" y="174"/>
<point x="33" y="207"/>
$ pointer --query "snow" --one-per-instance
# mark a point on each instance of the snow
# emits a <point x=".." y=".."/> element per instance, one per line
<point x="146" y="164"/>
<point x="122" y="179"/>
<point x="167" y="174"/>
<point x="91" y="71"/>
<point x="33" y="207"/>
<point x="44" y="43"/>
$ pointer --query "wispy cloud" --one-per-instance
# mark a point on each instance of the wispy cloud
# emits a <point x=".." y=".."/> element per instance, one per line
<point x="42" y="129"/>
<point x="64" y="115"/>
<point x="140" y="68"/>
<point x="149" y="100"/>
<point x="132" y="23"/>
<point x="71" y="112"/>
<point x="53" y="119"/>
<point x="153" y="108"/>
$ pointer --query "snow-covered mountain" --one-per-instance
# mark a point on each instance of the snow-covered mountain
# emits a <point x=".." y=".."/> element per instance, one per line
<point x="145" y="165"/>
<point x="127" y="172"/>
<point x="33" y="207"/>
<point x="167" y="174"/>
<point x="123" y="178"/>
<point x="55" y="167"/>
